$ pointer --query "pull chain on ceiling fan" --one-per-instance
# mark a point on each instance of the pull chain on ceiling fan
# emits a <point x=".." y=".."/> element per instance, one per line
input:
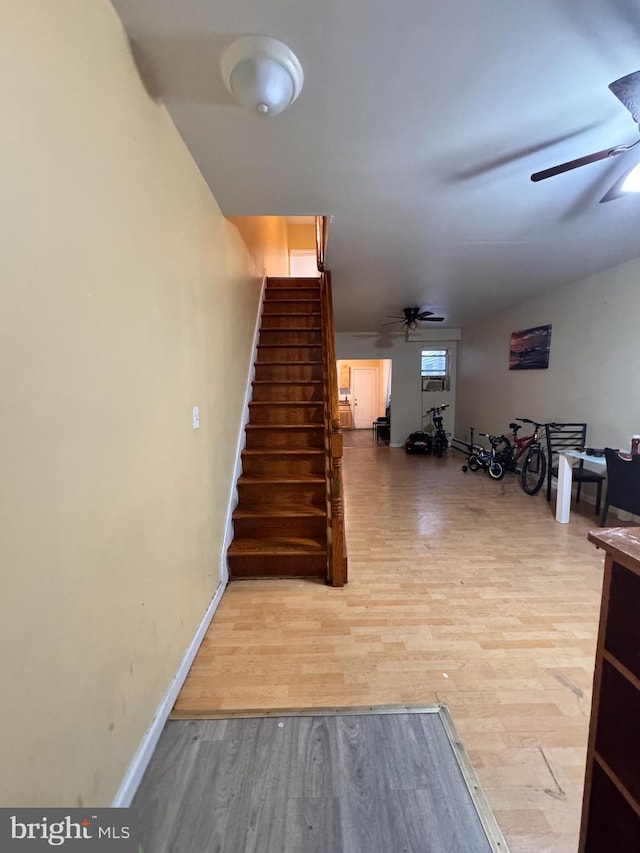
<point x="627" y="91"/>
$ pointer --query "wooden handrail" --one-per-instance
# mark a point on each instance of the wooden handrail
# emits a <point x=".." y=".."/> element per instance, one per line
<point x="322" y="236"/>
<point x="336" y="542"/>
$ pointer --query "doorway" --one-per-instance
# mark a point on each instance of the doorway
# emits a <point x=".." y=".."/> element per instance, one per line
<point x="303" y="263"/>
<point x="355" y="380"/>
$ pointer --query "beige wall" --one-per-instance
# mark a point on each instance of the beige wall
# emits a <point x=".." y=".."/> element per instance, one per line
<point x="301" y="236"/>
<point x="126" y="298"/>
<point x="266" y="238"/>
<point x="593" y="365"/>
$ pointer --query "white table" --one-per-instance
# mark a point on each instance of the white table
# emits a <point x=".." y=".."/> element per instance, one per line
<point x="565" y="477"/>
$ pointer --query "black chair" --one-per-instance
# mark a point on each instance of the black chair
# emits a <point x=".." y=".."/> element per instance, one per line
<point x="561" y="437"/>
<point x="623" y="483"/>
<point x="382" y="429"/>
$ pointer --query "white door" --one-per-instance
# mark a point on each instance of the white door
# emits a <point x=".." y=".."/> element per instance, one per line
<point x="365" y="396"/>
<point x="303" y="263"/>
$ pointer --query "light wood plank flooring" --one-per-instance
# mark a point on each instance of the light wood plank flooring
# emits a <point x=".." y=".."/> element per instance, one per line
<point x="462" y="591"/>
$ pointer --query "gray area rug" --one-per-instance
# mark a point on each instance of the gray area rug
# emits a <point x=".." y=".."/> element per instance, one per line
<point x="346" y="781"/>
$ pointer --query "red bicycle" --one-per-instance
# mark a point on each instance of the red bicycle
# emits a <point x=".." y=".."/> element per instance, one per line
<point x="534" y="465"/>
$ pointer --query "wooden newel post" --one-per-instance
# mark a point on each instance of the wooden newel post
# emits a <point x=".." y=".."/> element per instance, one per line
<point x="339" y="557"/>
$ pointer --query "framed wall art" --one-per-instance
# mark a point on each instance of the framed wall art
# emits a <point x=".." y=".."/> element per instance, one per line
<point x="529" y="349"/>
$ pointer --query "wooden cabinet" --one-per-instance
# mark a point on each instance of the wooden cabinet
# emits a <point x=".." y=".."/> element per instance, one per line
<point x="346" y="418"/>
<point x="611" y="802"/>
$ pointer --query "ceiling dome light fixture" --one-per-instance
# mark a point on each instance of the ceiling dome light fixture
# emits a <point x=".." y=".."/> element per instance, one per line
<point x="262" y="74"/>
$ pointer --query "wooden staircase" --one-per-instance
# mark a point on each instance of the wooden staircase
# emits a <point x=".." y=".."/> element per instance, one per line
<point x="281" y="521"/>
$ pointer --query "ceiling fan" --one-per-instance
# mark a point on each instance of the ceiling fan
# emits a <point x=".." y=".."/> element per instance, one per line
<point x="411" y="317"/>
<point x="627" y="91"/>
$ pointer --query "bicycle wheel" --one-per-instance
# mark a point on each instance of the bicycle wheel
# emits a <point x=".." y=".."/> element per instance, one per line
<point x="496" y="470"/>
<point x="473" y="463"/>
<point x="533" y="470"/>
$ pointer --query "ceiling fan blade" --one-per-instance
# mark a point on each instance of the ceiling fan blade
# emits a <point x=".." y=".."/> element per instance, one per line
<point x="627" y="91"/>
<point x="432" y="319"/>
<point x="395" y="322"/>
<point x="575" y="164"/>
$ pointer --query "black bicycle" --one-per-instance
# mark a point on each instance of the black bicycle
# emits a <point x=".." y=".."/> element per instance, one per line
<point x="439" y="439"/>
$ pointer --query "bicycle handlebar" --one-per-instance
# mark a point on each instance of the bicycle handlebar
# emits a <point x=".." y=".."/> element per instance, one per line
<point x="437" y="408"/>
<point x="535" y="423"/>
<point x="494" y="439"/>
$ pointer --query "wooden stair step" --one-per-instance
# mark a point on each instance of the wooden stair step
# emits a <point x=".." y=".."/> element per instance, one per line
<point x="292" y="306"/>
<point x="285" y="436"/>
<point x="289" y="414"/>
<point x="282" y="463"/>
<point x="255" y="497"/>
<point x="291" y="371"/>
<point x="284" y="428"/>
<point x="284" y="352"/>
<point x="286" y="322"/>
<point x="288" y="363"/>
<point x="291" y="337"/>
<point x="256" y="405"/>
<point x="295" y="452"/>
<point x="281" y="511"/>
<point x="280" y="556"/>
<point x="278" y="545"/>
<point x="287" y="281"/>
<point x="287" y="382"/>
<point x="290" y="328"/>
<point x="287" y="300"/>
<point x="292" y="293"/>
<point x="289" y="480"/>
<point x="278" y="526"/>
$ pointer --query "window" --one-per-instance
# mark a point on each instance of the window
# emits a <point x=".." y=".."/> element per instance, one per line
<point x="435" y="362"/>
<point x="434" y="369"/>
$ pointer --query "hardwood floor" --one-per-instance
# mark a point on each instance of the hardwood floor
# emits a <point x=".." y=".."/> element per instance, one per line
<point x="462" y="591"/>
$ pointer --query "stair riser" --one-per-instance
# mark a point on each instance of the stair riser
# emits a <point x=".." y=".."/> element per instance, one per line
<point x="254" y="495"/>
<point x="265" y="566"/>
<point x="280" y="293"/>
<point x="270" y="466"/>
<point x="291" y="306"/>
<point x="288" y="392"/>
<point x="293" y="281"/>
<point x="289" y="372"/>
<point x="284" y="337"/>
<point x="286" y="414"/>
<point x="288" y="321"/>
<point x="276" y="439"/>
<point x="279" y="353"/>
<point x="258" y="528"/>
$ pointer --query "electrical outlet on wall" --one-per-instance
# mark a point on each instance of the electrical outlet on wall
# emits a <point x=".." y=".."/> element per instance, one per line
<point x="196" y="417"/>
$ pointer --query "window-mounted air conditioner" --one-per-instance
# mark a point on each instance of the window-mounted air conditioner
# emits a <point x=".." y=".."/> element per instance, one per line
<point x="434" y="383"/>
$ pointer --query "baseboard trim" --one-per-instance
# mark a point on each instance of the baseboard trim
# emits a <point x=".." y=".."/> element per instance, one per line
<point x="147" y="745"/>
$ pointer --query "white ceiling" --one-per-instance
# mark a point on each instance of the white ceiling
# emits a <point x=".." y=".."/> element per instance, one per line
<point x="417" y="129"/>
